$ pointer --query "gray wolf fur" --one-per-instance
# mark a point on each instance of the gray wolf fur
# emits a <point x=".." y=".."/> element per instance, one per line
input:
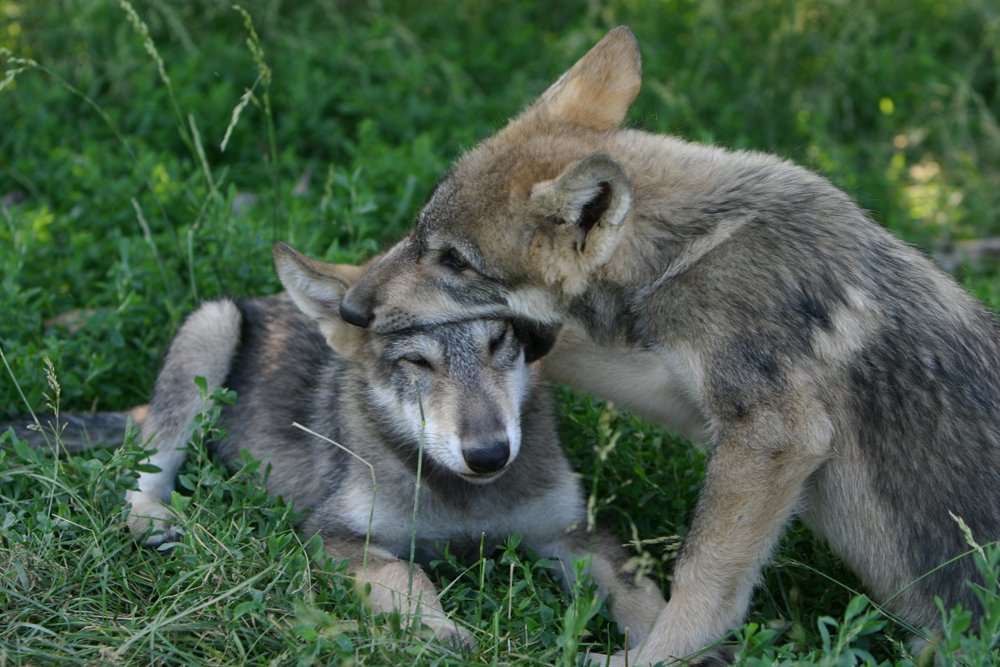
<point x="834" y="372"/>
<point x="491" y="464"/>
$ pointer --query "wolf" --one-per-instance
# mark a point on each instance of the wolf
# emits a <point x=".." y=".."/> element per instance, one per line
<point x="832" y="371"/>
<point x="458" y="412"/>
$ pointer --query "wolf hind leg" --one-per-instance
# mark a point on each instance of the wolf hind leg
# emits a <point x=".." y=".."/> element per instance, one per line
<point x="204" y="346"/>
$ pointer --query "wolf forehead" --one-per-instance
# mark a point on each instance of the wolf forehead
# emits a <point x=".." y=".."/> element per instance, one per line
<point x="496" y="178"/>
<point x="465" y="343"/>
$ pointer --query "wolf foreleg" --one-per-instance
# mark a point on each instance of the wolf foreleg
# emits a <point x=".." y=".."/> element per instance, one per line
<point x="388" y="585"/>
<point x="634" y="600"/>
<point x="754" y="479"/>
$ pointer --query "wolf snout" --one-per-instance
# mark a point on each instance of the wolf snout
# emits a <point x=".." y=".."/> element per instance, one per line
<point x="491" y="457"/>
<point x="355" y="311"/>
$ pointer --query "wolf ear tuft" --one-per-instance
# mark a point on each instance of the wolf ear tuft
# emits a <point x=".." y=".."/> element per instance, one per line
<point x="588" y="193"/>
<point x="591" y="193"/>
<point x="316" y="288"/>
<point x="581" y="213"/>
<point x="595" y="208"/>
<point x="598" y="90"/>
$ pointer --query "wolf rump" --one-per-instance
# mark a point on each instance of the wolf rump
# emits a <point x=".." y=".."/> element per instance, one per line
<point x="834" y="372"/>
<point x="491" y="467"/>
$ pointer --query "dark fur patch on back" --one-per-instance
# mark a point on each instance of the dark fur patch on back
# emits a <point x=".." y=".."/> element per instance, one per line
<point x="275" y="389"/>
<point x="928" y="417"/>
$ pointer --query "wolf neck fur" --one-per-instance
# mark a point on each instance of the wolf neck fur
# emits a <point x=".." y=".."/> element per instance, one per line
<point x="623" y="289"/>
<point x="671" y="230"/>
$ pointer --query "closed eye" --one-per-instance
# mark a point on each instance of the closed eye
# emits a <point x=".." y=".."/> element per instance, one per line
<point x="497" y="342"/>
<point x="453" y="260"/>
<point x="418" y="361"/>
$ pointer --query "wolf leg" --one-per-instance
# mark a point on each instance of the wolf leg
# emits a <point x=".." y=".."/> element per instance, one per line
<point x="387" y="584"/>
<point x="634" y="600"/>
<point x="204" y="346"/>
<point x="753" y="482"/>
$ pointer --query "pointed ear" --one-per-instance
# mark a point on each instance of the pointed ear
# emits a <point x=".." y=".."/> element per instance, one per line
<point x="538" y="338"/>
<point x="590" y="193"/>
<point x="317" y="288"/>
<point x="599" y="89"/>
<point x="581" y="213"/>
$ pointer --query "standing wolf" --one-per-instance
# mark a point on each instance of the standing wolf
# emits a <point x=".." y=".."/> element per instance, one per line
<point x="491" y="464"/>
<point x="832" y="370"/>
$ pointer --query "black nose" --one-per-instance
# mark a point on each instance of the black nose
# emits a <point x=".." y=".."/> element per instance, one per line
<point x="359" y="317"/>
<point x="489" y="458"/>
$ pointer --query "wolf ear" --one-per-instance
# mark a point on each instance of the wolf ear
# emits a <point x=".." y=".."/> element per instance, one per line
<point x="538" y="338"/>
<point x="317" y="288"/>
<point x="581" y="213"/>
<point x="599" y="89"/>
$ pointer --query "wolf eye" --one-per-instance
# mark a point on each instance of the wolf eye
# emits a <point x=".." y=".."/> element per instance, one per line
<point x="454" y="261"/>
<point x="496" y="342"/>
<point x="418" y="361"/>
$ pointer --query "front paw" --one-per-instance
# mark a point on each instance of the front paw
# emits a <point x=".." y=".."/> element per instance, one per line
<point x="717" y="657"/>
<point x="616" y="660"/>
<point x="149" y="520"/>
<point x="447" y="632"/>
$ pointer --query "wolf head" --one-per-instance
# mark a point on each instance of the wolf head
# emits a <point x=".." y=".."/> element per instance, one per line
<point x="522" y="222"/>
<point x="460" y="386"/>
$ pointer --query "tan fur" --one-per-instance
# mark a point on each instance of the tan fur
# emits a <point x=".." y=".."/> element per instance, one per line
<point x="610" y="72"/>
<point x="389" y="584"/>
<point x="744" y="301"/>
<point x="305" y="279"/>
<point x="563" y="199"/>
<point x="653" y="385"/>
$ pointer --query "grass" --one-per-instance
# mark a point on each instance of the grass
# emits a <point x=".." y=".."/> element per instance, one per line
<point x="150" y="153"/>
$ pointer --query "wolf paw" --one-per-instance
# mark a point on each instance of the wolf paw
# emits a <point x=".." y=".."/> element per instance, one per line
<point x="447" y="632"/>
<point x="602" y="660"/>
<point x="714" y="658"/>
<point x="149" y="520"/>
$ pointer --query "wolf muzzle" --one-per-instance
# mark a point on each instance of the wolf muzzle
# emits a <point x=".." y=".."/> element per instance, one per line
<point x="489" y="458"/>
<point x="356" y="311"/>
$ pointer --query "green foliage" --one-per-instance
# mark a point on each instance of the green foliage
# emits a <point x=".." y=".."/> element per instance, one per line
<point x="962" y="644"/>
<point x="844" y="642"/>
<point x="151" y="152"/>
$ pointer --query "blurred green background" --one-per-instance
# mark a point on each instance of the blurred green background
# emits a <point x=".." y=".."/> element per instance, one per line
<point x="362" y="106"/>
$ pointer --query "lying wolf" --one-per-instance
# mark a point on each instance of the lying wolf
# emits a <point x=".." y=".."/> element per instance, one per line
<point x="834" y="372"/>
<point x="466" y="393"/>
